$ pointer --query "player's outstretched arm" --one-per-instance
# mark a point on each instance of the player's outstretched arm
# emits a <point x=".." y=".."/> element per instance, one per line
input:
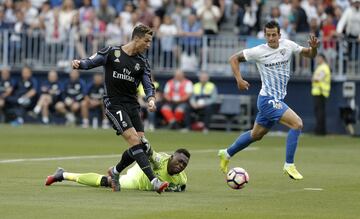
<point x="312" y="50"/>
<point x="235" y="66"/>
<point x="96" y="60"/>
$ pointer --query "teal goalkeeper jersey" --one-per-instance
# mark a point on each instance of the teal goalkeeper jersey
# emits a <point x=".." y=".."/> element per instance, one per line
<point x="136" y="179"/>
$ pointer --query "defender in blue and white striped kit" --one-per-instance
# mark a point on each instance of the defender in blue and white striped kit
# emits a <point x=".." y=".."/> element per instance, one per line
<point x="273" y="62"/>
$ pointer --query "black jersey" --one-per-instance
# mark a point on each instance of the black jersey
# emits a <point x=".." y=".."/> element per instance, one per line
<point x="52" y="88"/>
<point x="24" y="86"/>
<point x="123" y="74"/>
<point x="75" y="90"/>
<point x="96" y="91"/>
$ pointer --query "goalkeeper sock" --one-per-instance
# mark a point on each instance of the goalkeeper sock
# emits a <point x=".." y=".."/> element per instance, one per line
<point x="137" y="152"/>
<point x="240" y="143"/>
<point x="291" y="144"/>
<point x="126" y="160"/>
<point x="89" y="179"/>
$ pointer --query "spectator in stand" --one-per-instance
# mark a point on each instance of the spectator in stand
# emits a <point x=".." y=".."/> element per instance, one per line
<point x="337" y="14"/>
<point x="94" y="30"/>
<point x="43" y="14"/>
<point x="310" y="9"/>
<point x="285" y="8"/>
<point x="16" y="36"/>
<point x="314" y="27"/>
<point x="275" y="15"/>
<point x="9" y="12"/>
<point x="321" y="12"/>
<point x="128" y="27"/>
<point x="23" y="97"/>
<point x="329" y="34"/>
<point x="146" y="15"/>
<point x="177" y="93"/>
<point x="66" y="14"/>
<point x="86" y="11"/>
<point x="203" y="98"/>
<point x="190" y="40"/>
<point x="350" y="24"/>
<point x="209" y="15"/>
<point x="6" y="88"/>
<point x="93" y="103"/>
<point x="114" y="33"/>
<point x="51" y="92"/>
<point x="187" y="10"/>
<point x="74" y="92"/>
<point x="239" y="7"/>
<point x="77" y="33"/>
<point x="30" y="12"/>
<point x="176" y="16"/>
<point x="105" y="12"/>
<point x="126" y="14"/>
<point x="167" y="33"/>
<point x="3" y="24"/>
<point x="298" y="18"/>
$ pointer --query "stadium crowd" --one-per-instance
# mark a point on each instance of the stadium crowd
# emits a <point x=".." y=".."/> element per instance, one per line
<point x="113" y="20"/>
<point x="187" y="20"/>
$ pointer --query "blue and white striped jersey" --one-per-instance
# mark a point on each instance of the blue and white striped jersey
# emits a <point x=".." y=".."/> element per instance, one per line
<point x="274" y="66"/>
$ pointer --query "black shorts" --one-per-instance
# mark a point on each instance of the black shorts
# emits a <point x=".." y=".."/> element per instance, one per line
<point x="124" y="116"/>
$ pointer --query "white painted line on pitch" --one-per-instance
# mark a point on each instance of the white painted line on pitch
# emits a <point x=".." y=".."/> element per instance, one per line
<point x="99" y="156"/>
<point x="313" y="189"/>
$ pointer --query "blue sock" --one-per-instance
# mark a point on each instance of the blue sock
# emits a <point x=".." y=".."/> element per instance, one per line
<point x="240" y="143"/>
<point x="291" y="144"/>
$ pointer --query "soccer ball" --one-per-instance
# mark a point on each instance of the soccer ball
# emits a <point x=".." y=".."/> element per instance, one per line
<point x="237" y="178"/>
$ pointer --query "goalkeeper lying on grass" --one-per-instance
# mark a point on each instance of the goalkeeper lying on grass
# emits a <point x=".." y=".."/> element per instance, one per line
<point x="166" y="167"/>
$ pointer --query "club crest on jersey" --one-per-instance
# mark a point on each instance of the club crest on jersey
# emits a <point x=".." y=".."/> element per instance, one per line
<point x="282" y="52"/>
<point x="137" y="67"/>
<point x="117" y="54"/>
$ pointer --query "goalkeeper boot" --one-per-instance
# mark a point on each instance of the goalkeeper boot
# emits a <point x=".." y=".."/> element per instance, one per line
<point x="115" y="184"/>
<point x="291" y="170"/>
<point x="56" y="177"/>
<point x="224" y="161"/>
<point x="159" y="186"/>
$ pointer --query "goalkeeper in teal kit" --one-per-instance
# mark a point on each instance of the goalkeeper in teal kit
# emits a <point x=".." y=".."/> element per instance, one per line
<point x="166" y="167"/>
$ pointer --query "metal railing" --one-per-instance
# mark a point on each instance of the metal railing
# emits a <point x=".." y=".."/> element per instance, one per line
<point x="209" y="53"/>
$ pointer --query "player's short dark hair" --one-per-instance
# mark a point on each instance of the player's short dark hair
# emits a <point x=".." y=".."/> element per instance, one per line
<point x="322" y="55"/>
<point x="141" y="30"/>
<point x="272" y="24"/>
<point x="183" y="151"/>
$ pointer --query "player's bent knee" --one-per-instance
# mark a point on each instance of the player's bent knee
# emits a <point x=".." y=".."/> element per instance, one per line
<point x="257" y="136"/>
<point x="299" y="124"/>
<point x="132" y="139"/>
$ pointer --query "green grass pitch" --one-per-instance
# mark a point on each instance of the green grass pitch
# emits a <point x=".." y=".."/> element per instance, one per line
<point x="330" y="163"/>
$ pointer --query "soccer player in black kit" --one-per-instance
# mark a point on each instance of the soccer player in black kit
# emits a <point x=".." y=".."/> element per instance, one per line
<point x="125" y="68"/>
